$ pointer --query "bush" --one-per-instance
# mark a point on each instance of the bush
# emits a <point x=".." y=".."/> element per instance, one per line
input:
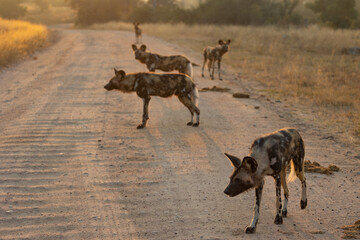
<point x="99" y="11"/>
<point x="336" y="13"/>
<point x="19" y="39"/>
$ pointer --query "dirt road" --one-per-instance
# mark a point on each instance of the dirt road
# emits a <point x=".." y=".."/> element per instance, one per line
<point x="74" y="166"/>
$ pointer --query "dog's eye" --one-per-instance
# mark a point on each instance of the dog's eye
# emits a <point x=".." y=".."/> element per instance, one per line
<point x="237" y="180"/>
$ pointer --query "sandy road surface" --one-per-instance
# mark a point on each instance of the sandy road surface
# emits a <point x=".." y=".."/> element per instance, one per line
<point x="74" y="166"/>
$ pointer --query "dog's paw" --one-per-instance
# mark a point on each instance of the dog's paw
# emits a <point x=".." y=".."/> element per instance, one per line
<point x="303" y="204"/>
<point x="141" y="126"/>
<point x="278" y="219"/>
<point x="249" y="230"/>
<point x="284" y="213"/>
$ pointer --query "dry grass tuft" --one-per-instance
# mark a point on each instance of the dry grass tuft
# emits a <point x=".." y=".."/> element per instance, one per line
<point x="19" y="39"/>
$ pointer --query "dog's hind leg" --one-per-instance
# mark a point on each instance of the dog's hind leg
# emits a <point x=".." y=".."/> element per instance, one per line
<point x="301" y="176"/>
<point x="298" y="161"/>
<point x="183" y="101"/>
<point x="205" y="59"/>
<point x="192" y="108"/>
<point x="278" y="218"/>
<point x="286" y="191"/>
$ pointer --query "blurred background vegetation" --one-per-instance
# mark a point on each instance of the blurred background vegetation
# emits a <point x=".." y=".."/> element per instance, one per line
<point x="332" y="13"/>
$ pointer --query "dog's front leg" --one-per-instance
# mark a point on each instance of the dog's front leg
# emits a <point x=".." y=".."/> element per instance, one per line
<point x="202" y="70"/>
<point x="219" y="64"/>
<point x="258" y="193"/>
<point x="212" y="70"/>
<point x="146" y="101"/>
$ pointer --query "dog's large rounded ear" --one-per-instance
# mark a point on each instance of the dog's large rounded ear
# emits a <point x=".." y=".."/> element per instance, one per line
<point x="236" y="162"/>
<point x="228" y="41"/>
<point x="221" y="42"/>
<point x="121" y="73"/>
<point x="134" y="47"/>
<point x="143" y="47"/>
<point x="250" y="164"/>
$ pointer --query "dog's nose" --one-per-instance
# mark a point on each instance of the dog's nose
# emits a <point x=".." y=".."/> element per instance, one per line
<point x="227" y="191"/>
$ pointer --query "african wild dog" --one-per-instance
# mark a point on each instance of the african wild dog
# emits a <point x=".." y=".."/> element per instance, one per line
<point x="155" y="61"/>
<point x="162" y="85"/>
<point x="214" y="54"/>
<point x="138" y="35"/>
<point x="269" y="155"/>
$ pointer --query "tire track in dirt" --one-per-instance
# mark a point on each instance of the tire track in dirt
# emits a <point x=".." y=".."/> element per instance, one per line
<point x="47" y="147"/>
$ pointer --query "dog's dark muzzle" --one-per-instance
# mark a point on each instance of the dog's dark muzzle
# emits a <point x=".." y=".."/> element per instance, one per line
<point x="228" y="192"/>
<point x="108" y="87"/>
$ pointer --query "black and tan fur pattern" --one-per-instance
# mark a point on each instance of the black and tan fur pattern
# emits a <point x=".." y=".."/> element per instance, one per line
<point x="155" y="61"/>
<point x="270" y="155"/>
<point x="138" y="34"/>
<point x="213" y="55"/>
<point x="163" y="85"/>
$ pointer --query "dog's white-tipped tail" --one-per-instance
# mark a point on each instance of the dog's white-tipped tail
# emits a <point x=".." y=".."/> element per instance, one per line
<point x="292" y="175"/>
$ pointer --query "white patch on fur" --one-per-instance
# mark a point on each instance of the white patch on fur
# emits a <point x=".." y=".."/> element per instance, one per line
<point x="189" y="70"/>
<point x="244" y="176"/>
<point x="255" y="217"/>
<point x="272" y="161"/>
<point x="195" y="96"/>
<point x="303" y="192"/>
<point x="285" y="204"/>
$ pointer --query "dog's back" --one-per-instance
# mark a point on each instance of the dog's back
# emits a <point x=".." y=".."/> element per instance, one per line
<point x="274" y="151"/>
<point x="155" y="61"/>
<point x="162" y="85"/>
<point x="171" y="63"/>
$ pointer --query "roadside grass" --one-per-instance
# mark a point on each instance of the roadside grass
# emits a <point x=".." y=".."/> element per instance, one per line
<point x="19" y="39"/>
<point x="302" y="65"/>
